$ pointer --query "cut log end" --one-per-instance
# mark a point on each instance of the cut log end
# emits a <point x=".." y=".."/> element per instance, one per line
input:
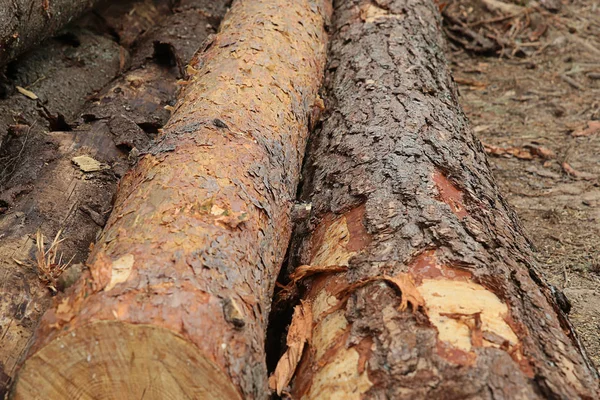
<point x="116" y="360"/>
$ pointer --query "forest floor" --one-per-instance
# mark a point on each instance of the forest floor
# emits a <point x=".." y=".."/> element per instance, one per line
<point x="536" y="108"/>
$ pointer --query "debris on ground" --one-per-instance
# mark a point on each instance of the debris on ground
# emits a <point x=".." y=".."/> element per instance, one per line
<point x="494" y="27"/>
<point x="528" y="152"/>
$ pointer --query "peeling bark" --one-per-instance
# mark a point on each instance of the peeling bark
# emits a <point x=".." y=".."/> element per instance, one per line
<point x="400" y="188"/>
<point x="59" y="195"/>
<point x="187" y="262"/>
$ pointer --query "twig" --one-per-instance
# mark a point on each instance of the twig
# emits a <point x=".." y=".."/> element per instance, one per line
<point x="571" y="82"/>
<point x="50" y="269"/>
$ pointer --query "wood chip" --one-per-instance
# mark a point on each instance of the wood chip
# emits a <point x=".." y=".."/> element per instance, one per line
<point x="478" y="85"/>
<point x="304" y="271"/>
<point x="299" y="333"/>
<point x="88" y="164"/>
<point x="577" y="174"/>
<point x="27" y="93"/>
<point x="523" y="153"/>
<point x="405" y="284"/>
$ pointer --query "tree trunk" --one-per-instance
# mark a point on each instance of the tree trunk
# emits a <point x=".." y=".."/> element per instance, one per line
<point x="61" y="74"/>
<point x="76" y="200"/>
<point x="25" y="23"/>
<point x="180" y="283"/>
<point x="441" y="297"/>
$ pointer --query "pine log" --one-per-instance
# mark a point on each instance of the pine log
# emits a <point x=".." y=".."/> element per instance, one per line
<point x="60" y="196"/>
<point x="424" y="285"/>
<point x="61" y="74"/>
<point x="176" y="301"/>
<point x="25" y="23"/>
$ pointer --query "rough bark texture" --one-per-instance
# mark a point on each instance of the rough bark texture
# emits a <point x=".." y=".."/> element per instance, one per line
<point x="60" y="196"/>
<point x="403" y="196"/>
<point x="62" y="73"/>
<point x="25" y="23"/>
<point x="200" y="226"/>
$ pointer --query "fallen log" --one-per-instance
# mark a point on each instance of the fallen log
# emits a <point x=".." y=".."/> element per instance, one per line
<point x="25" y="23"/>
<point x="70" y="185"/>
<point x="418" y="279"/>
<point x="49" y="85"/>
<point x="179" y="287"/>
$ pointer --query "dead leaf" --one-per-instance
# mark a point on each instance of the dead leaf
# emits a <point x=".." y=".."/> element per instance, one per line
<point x="538" y="33"/>
<point x="27" y="93"/>
<point x="299" y="333"/>
<point x="593" y="127"/>
<point x="46" y="7"/>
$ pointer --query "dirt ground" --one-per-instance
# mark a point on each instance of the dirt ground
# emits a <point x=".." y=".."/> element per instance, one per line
<point x="529" y="80"/>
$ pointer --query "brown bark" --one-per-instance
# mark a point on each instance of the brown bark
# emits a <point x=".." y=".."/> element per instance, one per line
<point x="25" y="23"/>
<point x="180" y="282"/>
<point x="441" y="298"/>
<point x="61" y="196"/>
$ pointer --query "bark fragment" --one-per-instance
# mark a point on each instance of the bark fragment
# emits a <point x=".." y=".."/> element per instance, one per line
<point x="73" y="185"/>
<point x="400" y="187"/>
<point x="205" y="219"/>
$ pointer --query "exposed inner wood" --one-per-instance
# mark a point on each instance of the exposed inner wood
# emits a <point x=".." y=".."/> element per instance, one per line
<point x="440" y="297"/>
<point x="71" y="176"/>
<point x="110" y="360"/>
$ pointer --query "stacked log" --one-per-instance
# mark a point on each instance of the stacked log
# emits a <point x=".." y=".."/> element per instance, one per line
<point x="418" y="280"/>
<point x="65" y="181"/>
<point x="176" y="300"/>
